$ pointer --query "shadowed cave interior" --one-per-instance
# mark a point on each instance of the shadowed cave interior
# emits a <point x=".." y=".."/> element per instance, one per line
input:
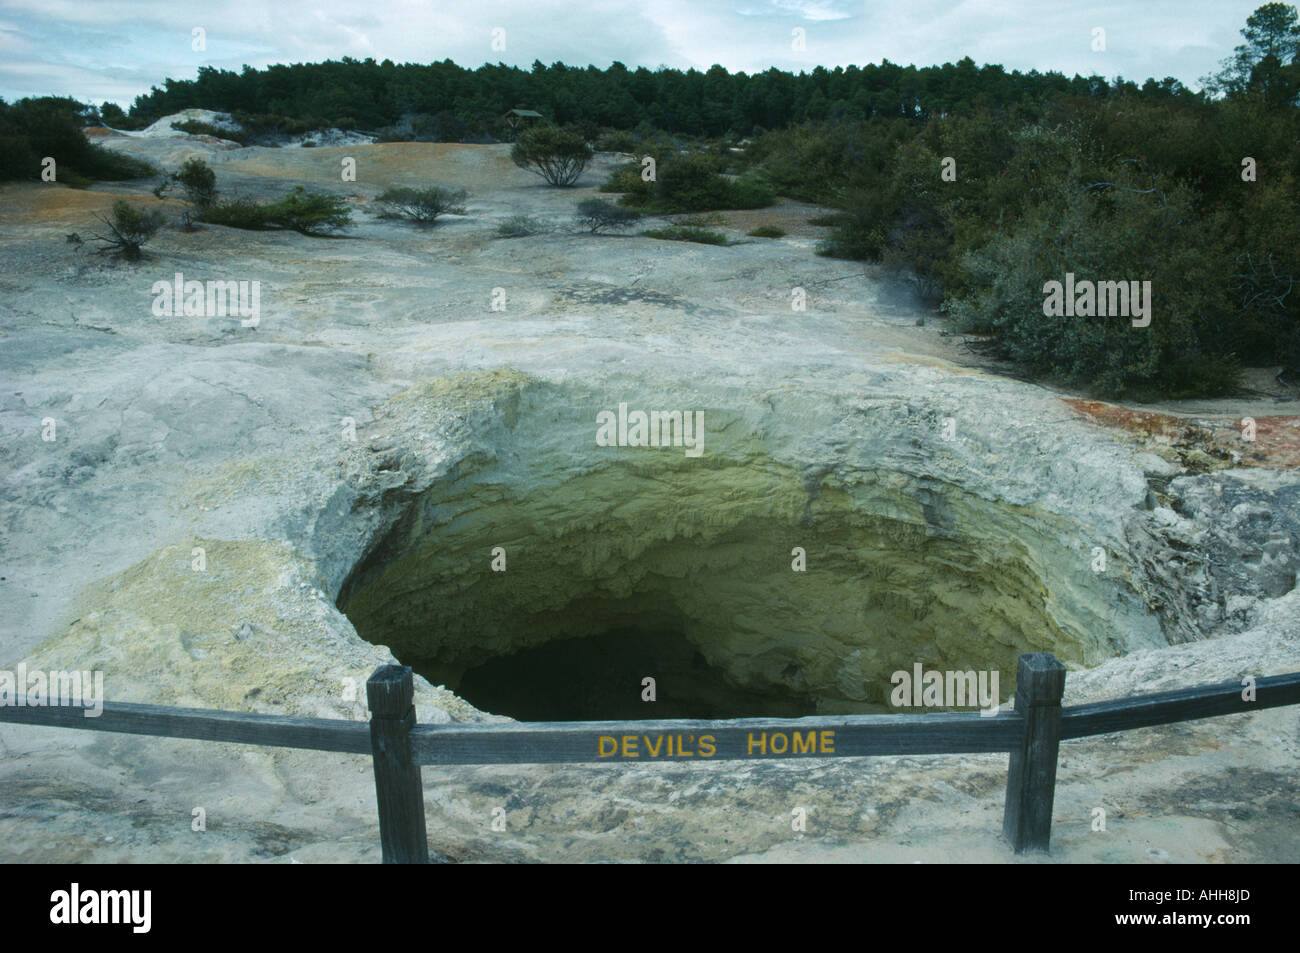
<point x="601" y="677"/>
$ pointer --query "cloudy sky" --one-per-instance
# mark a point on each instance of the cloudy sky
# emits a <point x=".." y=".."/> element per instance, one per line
<point x="98" y="50"/>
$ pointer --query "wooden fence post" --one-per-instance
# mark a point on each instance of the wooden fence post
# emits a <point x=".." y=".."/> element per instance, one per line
<point x="398" y="790"/>
<point x="1031" y="774"/>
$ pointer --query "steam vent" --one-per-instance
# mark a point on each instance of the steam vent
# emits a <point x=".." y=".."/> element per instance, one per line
<point x="435" y="447"/>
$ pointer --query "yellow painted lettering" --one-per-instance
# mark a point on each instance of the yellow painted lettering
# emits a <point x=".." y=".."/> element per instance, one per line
<point x="806" y="744"/>
<point x="781" y="737"/>
<point x="762" y="743"/>
<point x="828" y="742"/>
<point x="600" y="746"/>
<point x="629" y="747"/>
<point x="659" y="743"/>
<point x="708" y="748"/>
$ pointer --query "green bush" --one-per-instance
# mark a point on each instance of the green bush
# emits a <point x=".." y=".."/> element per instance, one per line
<point x="917" y="247"/>
<point x="196" y="127"/>
<point x="33" y="129"/>
<point x="749" y="192"/>
<point x="687" y="233"/>
<point x="423" y="206"/>
<point x="692" y="183"/>
<point x="617" y="140"/>
<point x="595" y="214"/>
<point x="557" y="155"/>
<point x="627" y="179"/>
<point x="766" y="231"/>
<point x="823" y="161"/>
<point x="519" y="226"/>
<point x="198" y="181"/>
<point x="236" y="213"/>
<point x="860" y="230"/>
<point x="1112" y="234"/>
<point x="129" y="227"/>
<point x="310" y="213"/>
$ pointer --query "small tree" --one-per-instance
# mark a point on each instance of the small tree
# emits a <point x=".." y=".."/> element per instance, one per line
<point x="423" y="206"/>
<point x="594" y="214"/>
<point x="1272" y="35"/>
<point x="129" y="227"/>
<point x="557" y="155"/>
<point x="198" y="181"/>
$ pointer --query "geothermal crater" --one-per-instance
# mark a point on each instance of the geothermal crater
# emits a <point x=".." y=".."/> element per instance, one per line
<point x="743" y="584"/>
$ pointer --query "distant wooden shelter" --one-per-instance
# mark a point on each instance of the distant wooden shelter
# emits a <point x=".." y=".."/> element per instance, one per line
<point x="520" y="119"/>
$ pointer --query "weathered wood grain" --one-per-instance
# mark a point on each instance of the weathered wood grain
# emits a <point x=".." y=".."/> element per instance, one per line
<point x="690" y="741"/>
<point x="398" y="787"/>
<point x="1183" y="704"/>
<point x="249" y="728"/>
<point x="1031" y="774"/>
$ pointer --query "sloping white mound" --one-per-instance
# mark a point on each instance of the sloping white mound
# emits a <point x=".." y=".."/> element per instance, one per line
<point x="163" y="128"/>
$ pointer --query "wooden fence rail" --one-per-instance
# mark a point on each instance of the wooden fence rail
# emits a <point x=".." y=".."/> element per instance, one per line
<point x="1031" y="734"/>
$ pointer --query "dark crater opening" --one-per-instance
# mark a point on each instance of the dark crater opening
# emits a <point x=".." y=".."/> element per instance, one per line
<point x="600" y="677"/>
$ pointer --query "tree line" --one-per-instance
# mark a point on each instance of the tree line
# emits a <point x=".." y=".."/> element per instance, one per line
<point x="981" y="186"/>
<point x="454" y="102"/>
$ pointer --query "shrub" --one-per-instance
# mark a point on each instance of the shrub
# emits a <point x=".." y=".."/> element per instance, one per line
<point x="196" y="127"/>
<point x="617" y="140"/>
<point x="263" y="129"/>
<point x="423" y="206"/>
<point x="236" y="213"/>
<point x="557" y="155"/>
<point x="701" y="221"/>
<point x="32" y="129"/>
<point x="859" y="232"/>
<point x="129" y="228"/>
<point x="687" y="233"/>
<point x="749" y="191"/>
<point x="311" y="213"/>
<point x="594" y="214"/>
<point x="692" y="183"/>
<point x="627" y="179"/>
<point x="766" y="231"/>
<point x="518" y="226"/>
<point x="917" y="248"/>
<point x="1117" y="234"/>
<point x="198" y="181"/>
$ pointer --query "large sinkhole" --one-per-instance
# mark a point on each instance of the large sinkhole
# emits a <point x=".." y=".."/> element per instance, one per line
<point x="556" y="597"/>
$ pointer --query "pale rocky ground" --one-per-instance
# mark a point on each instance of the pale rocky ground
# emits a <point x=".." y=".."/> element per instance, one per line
<point x="475" y="428"/>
